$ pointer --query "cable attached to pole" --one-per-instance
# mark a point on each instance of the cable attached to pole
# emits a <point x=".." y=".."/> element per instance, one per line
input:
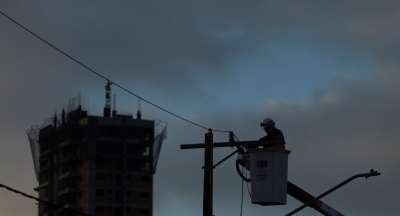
<point x="241" y="203"/>
<point x="240" y="162"/>
<point x="102" y="76"/>
<point x="48" y="204"/>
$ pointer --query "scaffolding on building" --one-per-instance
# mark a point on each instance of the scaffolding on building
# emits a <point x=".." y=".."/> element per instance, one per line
<point x="160" y="134"/>
<point x="33" y="136"/>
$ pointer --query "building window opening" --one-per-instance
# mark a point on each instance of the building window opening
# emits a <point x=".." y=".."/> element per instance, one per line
<point x="144" y="195"/>
<point x="100" y="192"/>
<point x="144" y="211"/>
<point x="100" y="176"/>
<point x="145" y="179"/>
<point x="99" y="209"/>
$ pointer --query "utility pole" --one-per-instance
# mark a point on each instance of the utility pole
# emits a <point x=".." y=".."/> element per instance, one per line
<point x="208" y="146"/>
<point x="292" y="190"/>
<point x="208" y="175"/>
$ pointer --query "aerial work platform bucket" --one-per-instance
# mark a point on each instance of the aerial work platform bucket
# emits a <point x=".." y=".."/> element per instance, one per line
<point x="268" y="171"/>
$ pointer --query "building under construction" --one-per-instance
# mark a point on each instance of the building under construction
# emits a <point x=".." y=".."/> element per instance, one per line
<point x="96" y="165"/>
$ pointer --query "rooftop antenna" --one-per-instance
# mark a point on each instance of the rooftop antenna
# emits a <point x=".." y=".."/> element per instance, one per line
<point x="107" y="108"/>
<point x="139" y="112"/>
<point x="63" y="116"/>
<point x="79" y="101"/>
<point x="55" y="120"/>
<point x="79" y="98"/>
<point x="114" y="112"/>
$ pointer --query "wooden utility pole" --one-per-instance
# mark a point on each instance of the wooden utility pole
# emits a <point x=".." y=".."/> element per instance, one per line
<point x="208" y="175"/>
<point x="292" y="189"/>
<point x="208" y="164"/>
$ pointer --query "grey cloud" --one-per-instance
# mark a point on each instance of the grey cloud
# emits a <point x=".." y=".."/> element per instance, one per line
<point x="170" y="46"/>
<point x="163" y="43"/>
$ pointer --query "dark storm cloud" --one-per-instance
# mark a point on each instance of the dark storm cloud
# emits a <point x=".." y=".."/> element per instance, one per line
<point x="170" y="46"/>
<point x="157" y="43"/>
<point x="163" y="43"/>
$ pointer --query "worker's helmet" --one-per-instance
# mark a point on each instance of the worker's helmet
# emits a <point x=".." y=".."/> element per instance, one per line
<point x="267" y="122"/>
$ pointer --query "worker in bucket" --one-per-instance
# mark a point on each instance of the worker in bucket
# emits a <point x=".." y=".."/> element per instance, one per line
<point x="273" y="134"/>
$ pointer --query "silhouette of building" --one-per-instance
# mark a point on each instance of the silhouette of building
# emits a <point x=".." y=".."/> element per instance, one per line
<point x="96" y="165"/>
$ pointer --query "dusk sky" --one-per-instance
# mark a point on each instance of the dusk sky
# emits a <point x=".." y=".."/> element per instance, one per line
<point x="327" y="72"/>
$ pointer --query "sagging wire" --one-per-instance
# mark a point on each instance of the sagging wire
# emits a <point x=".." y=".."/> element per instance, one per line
<point x="248" y="188"/>
<point x="241" y="202"/>
<point x="53" y="206"/>
<point x="247" y="182"/>
<point x="105" y="78"/>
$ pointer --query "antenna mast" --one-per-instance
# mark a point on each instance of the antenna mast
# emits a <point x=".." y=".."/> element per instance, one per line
<point x="114" y="112"/>
<point x="139" y="112"/>
<point x="107" y="108"/>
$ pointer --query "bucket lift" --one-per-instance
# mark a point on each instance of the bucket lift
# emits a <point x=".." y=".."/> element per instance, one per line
<point x="268" y="171"/>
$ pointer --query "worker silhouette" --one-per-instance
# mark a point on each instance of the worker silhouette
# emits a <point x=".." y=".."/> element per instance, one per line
<point x="273" y="134"/>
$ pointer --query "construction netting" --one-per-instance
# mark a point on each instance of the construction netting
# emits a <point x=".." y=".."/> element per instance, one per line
<point x="160" y="134"/>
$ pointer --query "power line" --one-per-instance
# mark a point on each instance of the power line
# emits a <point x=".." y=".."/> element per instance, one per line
<point x="102" y="76"/>
<point x="48" y="204"/>
<point x="248" y="189"/>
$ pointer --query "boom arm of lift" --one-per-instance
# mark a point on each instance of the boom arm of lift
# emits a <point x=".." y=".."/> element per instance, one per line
<point x="314" y="202"/>
<point x="305" y="197"/>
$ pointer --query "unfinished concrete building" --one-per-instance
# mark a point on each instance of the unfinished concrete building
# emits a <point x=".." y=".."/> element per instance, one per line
<point x="96" y="165"/>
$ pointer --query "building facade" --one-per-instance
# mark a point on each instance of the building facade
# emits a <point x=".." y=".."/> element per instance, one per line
<point x="100" y="166"/>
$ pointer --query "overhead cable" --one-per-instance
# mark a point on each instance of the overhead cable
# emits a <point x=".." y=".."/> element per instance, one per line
<point x="48" y="204"/>
<point x="102" y="76"/>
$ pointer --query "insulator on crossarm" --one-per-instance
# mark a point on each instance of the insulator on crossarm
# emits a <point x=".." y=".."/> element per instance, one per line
<point x="231" y="137"/>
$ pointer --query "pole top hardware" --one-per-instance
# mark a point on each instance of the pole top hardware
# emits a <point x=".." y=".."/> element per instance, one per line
<point x="246" y="144"/>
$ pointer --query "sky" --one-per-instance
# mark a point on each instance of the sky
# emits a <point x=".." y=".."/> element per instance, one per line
<point x="327" y="72"/>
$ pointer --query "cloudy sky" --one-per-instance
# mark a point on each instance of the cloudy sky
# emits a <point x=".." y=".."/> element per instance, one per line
<point x="327" y="72"/>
